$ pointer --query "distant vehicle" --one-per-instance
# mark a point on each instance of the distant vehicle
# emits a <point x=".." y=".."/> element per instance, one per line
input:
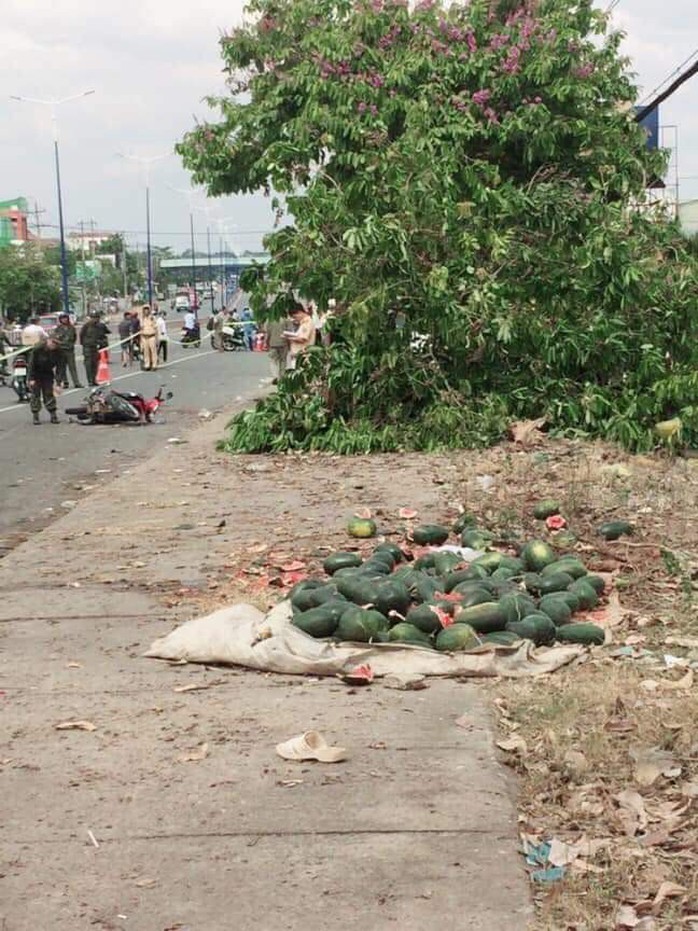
<point x="181" y="303"/>
<point x="185" y="299"/>
<point x="49" y="322"/>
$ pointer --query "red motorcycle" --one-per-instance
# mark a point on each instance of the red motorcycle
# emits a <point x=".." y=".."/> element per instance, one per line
<point x="104" y="405"/>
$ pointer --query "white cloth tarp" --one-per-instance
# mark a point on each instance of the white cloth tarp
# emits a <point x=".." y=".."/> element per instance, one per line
<point x="241" y="635"/>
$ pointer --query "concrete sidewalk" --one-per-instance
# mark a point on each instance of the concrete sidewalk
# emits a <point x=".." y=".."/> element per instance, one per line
<point x="199" y="825"/>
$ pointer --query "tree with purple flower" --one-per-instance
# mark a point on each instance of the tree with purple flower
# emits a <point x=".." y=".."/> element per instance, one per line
<point x="471" y="169"/>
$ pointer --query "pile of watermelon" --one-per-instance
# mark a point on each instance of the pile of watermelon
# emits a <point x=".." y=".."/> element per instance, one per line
<point x="437" y="601"/>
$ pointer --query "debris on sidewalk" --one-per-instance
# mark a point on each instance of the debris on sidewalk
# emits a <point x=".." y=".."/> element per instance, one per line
<point x="194" y="756"/>
<point x="76" y="726"/>
<point x="310" y="746"/>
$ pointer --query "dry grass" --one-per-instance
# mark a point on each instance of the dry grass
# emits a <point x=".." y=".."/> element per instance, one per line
<point x="610" y="750"/>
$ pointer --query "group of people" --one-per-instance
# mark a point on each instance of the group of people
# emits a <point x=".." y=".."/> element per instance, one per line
<point x="51" y="358"/>
<point x="143" y="337"/>
<point x="289" y="339"/>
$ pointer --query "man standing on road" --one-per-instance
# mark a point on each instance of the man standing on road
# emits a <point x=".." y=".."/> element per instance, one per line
<point x="136" y="335"/>
<point x="44" y="360"/>
<point x="278" y="347"/>
<point x="66" y="337"/>
<point x="33" y="332"/>
<point x="124" y="330"/>
<point x="149" y="339"/>
<point x="94" y="336"/>
<point x="302" y="337"/>
<point x="216" y="324"/>
<point x="163" y="338"/>
<point x="5" y="348"/>
<point x="248" y="327"/>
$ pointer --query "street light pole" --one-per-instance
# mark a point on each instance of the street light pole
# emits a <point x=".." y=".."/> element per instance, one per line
<point x="146" y="163"/>
<point x="221" y="223"/>
<point x="190" y="195"/>
<point x="54" y="104"/>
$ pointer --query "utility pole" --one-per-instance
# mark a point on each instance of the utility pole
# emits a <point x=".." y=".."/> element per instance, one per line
<point x="53" y="104"/>
<point x="37" y="211"/>
<point x="190" y="195"/>
<point x="123" y="267"/>
<point x="84" y="268"/>
<point x="146" y="163"/>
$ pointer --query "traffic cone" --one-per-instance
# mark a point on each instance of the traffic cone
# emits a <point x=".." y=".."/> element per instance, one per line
<point x="103" y="373"/>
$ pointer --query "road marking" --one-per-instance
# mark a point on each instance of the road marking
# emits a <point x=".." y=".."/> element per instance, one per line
<point x="198" y="355"/>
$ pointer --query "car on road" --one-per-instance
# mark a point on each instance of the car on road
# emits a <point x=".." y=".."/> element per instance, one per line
<point x="49" y="322"/>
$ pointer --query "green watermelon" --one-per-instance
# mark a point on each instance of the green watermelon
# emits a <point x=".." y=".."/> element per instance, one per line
<point x="341" y="560"/>
<point x="360" y="625"/>
<point x="318" y="622"/>
<point x="430" y="535"/>
<point x="361" y="527"/>
<point x="588" y="634"/>
<point x="516" y="606"/>
<point x="536" y="555"/>
<point x="425" y="618"/>
<point x="408" y="633"/>
<point x="457" y="638"/>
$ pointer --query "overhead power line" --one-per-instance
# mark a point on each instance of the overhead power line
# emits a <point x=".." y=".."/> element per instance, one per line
<point x="645" y="111"/>
<point x="669" y="77"/>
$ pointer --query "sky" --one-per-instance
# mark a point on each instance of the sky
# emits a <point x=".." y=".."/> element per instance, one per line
<point x="151" y="62"/>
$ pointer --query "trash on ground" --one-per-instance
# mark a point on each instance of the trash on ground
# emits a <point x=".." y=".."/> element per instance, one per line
<point x="310" y="746"/>
<point x="76" y="726"/>
<point x="194" y="756"/>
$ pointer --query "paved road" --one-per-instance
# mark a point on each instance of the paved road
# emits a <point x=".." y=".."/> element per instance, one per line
<point x="42" y="467"/>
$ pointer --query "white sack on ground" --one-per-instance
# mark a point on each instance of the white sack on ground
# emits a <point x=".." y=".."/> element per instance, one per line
<point x="241" y="635"/>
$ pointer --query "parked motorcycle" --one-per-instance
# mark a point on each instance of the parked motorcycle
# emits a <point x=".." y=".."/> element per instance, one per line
<point x="233" y="338"/>
<point x="104" y="405"/>
<point x="19" y="382"/>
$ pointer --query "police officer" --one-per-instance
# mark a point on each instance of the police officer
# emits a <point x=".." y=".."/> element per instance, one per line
<point x="44" y="360"/>
<point x="94" y="336"/>
<point x="66" y="337"/>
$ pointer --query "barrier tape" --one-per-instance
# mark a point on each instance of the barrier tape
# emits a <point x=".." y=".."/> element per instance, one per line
<point x="112" y="347"/>
<point x="238" y="324"/>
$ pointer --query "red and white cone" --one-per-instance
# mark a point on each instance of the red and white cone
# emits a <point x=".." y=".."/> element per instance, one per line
<point x="103" y="373"/>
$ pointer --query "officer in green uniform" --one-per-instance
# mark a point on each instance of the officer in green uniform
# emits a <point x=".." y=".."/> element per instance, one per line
<point x="66" y="336"/>
<point x="93" y="337"/>
<point x="42" y="364"/>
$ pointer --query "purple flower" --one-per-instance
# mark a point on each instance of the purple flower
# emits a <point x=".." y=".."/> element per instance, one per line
<point x="374" y="109"/>
<point x="472" y="42"/>
<point x="498" y="41"/>
<point x="481" y="97"/>
<point x="361" y="107"/>
<point x="491" y="115"/>
<point x="584" y="71"/>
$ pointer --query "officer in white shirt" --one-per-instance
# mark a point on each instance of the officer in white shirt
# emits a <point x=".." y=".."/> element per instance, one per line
<point x="33" y="333"/>
<point x="162" y="335"/>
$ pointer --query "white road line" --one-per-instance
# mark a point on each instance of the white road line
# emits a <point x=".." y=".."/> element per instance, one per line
<point x="167" y="365"/>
